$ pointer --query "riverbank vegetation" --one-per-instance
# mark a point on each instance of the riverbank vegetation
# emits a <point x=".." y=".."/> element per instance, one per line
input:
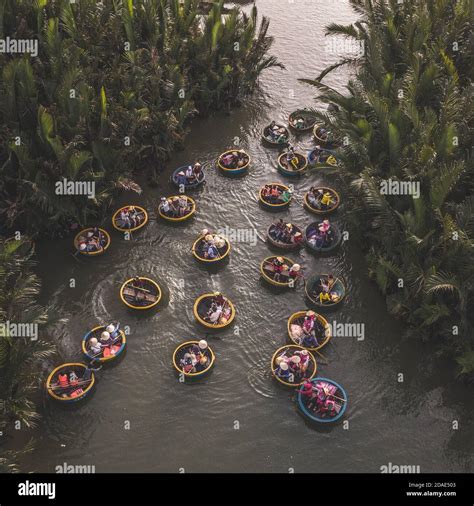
<point x="21" y="353"/>
<point x="110" y="94"/>
<point x="407" y="117"/>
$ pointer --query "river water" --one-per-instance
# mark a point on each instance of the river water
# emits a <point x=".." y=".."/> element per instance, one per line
<point x="142" y="419"/>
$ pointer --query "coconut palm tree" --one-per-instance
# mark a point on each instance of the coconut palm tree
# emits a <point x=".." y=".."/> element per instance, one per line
<point x="405" y="117"/>
<point x="111" y="93"/>
<point x="21" y="357"/>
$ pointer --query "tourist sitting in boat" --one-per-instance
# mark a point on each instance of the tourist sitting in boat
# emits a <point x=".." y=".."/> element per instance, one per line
<point x="322" y="133"/>
<point x="304" y="359"/>
<point x="322" y="237"/>
<point x="282" y="370"/>
<point x="113" y="330"/>
<point x="289" y="368"/>
<point x="197" y="171"/>
<point x="277" y="132"/>
<point x="295" y="272"/>
<point x="308" y="332"/>
<point x="134" y="217"/>
<point x="181" y="178"/>
<point x="321" y="398"/>
<point x="73" y="378"/>
<point x="323" y="290"/>
<point x="94" y="240"/>
<point x="95" y="347"/>
<point x="183" y="206"/>
<point x="234" y="159"/>
<point x="196" y="358"/>
<point x="298" y="122"/>
<point x="211" y="246"/>
<point x="107" y="343"/>
<point x="165" y="206"/>
<point x="278" y="267"/>
<point x="219" y="311"/>
<point x="320" y="199"/>
<point x="189" y="173"/>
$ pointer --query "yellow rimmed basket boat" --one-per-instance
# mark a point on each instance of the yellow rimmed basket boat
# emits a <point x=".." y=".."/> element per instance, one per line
<point x="143" y="297"/>
<point x="198" y="254"/>
<point x="115" y="349"/>
<point x="104" y="241"/>
<point x="293" y="244"/>
<point x="313" y="289"/>
<point x="293" y="378"/>
<point x="268" y="274"/>
<point x="239" y="169"/>
<point x="325" y="137"/>
<point x="277" y="204"/>
<point x="302" y="120"/>
<point x="292" y="169"/>
<point x="189" y="212"/>
<point x="184" y="348"/>
<point x="325" y="334"/>
<point x="121" y="226"/>
<point x="272" y="140"/>
<point x="335" y="201"/>
<point x="70" y="393"/>
<point x="203" y="305"/>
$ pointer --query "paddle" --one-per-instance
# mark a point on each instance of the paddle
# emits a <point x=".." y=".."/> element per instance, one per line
<point x="53" y="387"/>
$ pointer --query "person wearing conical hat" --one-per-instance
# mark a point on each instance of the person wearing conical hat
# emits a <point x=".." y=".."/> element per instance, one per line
<point x="164" y="206"/>
<point x="294" y="273"/>
<point x="283" y="371"/>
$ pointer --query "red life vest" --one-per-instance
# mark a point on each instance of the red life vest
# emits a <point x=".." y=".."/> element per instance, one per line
<point x="63" y="381"/>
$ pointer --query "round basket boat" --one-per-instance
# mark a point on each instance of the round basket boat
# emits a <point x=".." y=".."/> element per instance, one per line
<point x="313" y="290"/>
<point x="204" y="304"/>
<point x="268" y="273"/>
<point x="321" y="158"/>
<point x="292" y="169"/>
<point x="103" y="241"/>
<point x="70" y="392"/>
<point x="188" y="184"/>
<point x="138" y="219"/>
<point x="323" y="209"/>
<point x="108" y="353"/>
<point x="297" y="376"/>
<point x="141" y="294"/>
<point x="294" y="243"/>
<point x="200" y="256"/>
<point x="315" y="243"/>
<point x="275" y="203"/>
<point x="188" y="212"/>
<point x="329" y="410"/>
<point x="302" y="120"/>
<point x="323" y="334"/>
<point x="324" y="137"/>
<point x="238" y="165"/>
<point x="190" y="371"/>
<point x="270" y="139"/>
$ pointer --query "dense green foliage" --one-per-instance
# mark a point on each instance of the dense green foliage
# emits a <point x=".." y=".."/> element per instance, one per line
<point x="20" y="357"/>
<point x="407" y="116"/>
<point x="110" y="93"/>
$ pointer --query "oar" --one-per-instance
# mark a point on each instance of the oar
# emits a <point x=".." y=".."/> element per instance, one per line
<point x="322" y="356"/>
<point x="139" y="288"/>
<point x="53" y="387"/>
